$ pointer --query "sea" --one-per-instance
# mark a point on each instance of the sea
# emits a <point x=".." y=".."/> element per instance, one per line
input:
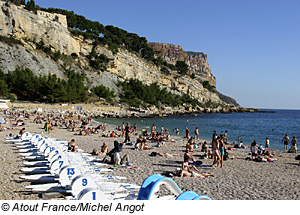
<point x="274" y="124"/>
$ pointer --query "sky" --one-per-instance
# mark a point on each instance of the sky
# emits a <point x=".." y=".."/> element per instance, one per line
<point x="253" y="46"/>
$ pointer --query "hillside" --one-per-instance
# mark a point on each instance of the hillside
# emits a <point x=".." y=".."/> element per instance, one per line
<point x="47" y="45"/>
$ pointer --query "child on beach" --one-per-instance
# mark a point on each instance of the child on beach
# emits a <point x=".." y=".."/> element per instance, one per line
<point x="254" y="148"/>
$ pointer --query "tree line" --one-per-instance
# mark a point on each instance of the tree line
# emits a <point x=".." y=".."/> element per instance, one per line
<point x="23" y="83"/>
<point x="135" y="93"/>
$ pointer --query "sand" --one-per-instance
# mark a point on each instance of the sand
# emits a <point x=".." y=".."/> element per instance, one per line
<point x="240" y="179"/>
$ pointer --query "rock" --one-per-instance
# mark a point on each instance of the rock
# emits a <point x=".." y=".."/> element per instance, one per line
<point x="197" y="61"/>
<point x="52" y="29"/>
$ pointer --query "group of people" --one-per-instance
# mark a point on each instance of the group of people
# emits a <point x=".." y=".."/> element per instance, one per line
<point x="217" y="152"/>
<point x="218" y="149"/>
<point x="294" y="143"/>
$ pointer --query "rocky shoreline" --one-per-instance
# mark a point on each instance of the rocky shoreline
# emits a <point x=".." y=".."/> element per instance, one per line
<point x="106" y="111"/>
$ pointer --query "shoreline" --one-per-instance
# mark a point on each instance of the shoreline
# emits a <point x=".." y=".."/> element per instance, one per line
<point x="107" y="111"/>
<point x="240" y="179"/>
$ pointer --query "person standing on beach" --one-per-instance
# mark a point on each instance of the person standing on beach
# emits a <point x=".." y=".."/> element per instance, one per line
<point x="196" y="134"/>
<point x="214" y="136"/>
<point x="267" y="143"/>
<point x="226" y="137"/>
<point x="135" y="127"/>
<point x="286" y="141"/>
<point x="123" y="129"/>
<point x="127" y="131"/>
<point x="221" y="146"/>
<point x="177" y="131"/>
<point x="254" y="147"/>
<point x="294" y="141"/>
<point x="187" y="133"/>
<point x="153" y="128"/>
<point x="46" y="127"/>
<point x="215" y="153"/>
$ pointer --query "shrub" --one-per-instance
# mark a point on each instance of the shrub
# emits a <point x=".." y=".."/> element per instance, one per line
<point x="104" y="92"/>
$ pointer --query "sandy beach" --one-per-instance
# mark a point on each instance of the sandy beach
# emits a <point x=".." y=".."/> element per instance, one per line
<point x="240" y="179"/>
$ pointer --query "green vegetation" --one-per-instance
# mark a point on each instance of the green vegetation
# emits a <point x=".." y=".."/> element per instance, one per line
<point x="206" y="85"/>
<point x="182" y="67"/>
<point x="111" y="36"/>
<point x="17" y="2"/>
<point x="106" y="35"/>
<point x="3" y="86"/>
<point x="193" y="76"/>
<point x="104" y="92"/>
<point x="30" y="5"/>
<point x="114" y="38"/>
<point x="47" y="49"/>
<point x="26" y="85"/>
<point x="9" y="40"/>
<point x="98" y="62"/>
<point x="135" y="93"/>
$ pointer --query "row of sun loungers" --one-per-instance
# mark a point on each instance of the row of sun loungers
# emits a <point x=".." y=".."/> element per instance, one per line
<point x="51" y="168"/>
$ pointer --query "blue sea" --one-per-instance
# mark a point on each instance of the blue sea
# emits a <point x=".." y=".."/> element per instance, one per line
<point x="247" y="126"/>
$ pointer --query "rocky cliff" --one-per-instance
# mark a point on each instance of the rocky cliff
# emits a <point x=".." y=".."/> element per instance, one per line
<point x="29" y="28"/>
<point x="197" y="61"/>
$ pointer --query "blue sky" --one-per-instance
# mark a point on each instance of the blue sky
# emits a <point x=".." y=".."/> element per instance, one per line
<point x="253" y="46"/>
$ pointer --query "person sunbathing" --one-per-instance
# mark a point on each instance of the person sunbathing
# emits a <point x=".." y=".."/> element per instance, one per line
<point x="104" y="150"/>
<point x="22" y="131"/>
<point x="260" y="159"/>
<point x="190" y="146"/>
<point x="156" y="154"/>
<point x="187" y="171"/>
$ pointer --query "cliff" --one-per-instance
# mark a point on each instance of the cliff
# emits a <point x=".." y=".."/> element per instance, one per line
<point x="197" y="61"/>
<point x="31" y="28"/>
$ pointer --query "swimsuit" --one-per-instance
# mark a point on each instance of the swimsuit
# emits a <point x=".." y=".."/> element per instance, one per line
<point x="222" y="150"/>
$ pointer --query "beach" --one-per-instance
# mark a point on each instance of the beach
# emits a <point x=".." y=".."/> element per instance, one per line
<point x="239" y="179"/>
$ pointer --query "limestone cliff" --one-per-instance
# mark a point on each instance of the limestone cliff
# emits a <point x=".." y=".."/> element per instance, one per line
<point x="52" y="29"/>
<point x="197" y="61"/>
